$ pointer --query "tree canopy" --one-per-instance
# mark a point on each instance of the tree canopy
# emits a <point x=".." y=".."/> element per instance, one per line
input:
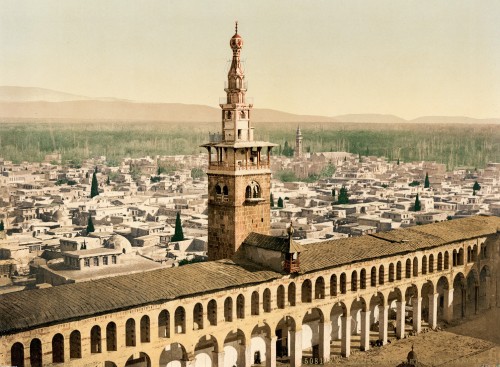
<point x="90" y="225"/>
<point x="94" y="191"/>
<point x="427" y="184"/>
<point x="280" y="202"/>
<point x="417" y="206"/>
<point x="178" y="234"/>
<point x="343" y="196"/>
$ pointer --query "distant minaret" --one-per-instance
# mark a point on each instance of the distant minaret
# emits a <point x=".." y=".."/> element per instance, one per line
<point x="298" y="143"/>
<point x="239" y="174"/>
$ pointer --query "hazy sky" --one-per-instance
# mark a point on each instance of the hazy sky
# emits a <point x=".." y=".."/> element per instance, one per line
<point x="409" y="58"/>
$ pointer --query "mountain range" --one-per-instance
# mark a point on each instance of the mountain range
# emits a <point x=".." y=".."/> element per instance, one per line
<point x="19" y="103"/>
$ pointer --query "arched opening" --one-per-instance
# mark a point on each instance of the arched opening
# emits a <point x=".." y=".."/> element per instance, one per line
<point x="306" y="291"/>
<point x="111" y="338"/>
<point x="164" y="324"/>
<point x="426" y="292"/>
<point x="17" y="355"/>
<point x="362" y="279"/>
<point x="399" y="270"/>
<point x="391" y="272"/>
<point x="333" y="285"/>
<point x="173" y="355"/>
<point x="292" y="298"/>
<point x="198" y="317"/>
<point x="455" y="258"/>
<point x="461" y="256"/>
<point x="58" y="349"/>
<point x="95" y="339"/>
<point x="311" y="324"/>
<point x="206" y="349"/>
<point x="319" y="288"/>
<point x="225" y="190"/>
<point x="484" y="288"/>
<point x="234" y="348"/>
<point x="474" y="253"/>
<point x="280" y="297"/>
<point x="472" y="293"/>
<point x="431" y="263"/>
<point x="266" y="300"/>
<point x="408" y="269"/>
<point x="343" y="281"/>
<point x="424" y="264"/>
<point x="442" y="288"/>
<point x="338" y="315"/>
<point x="446" y="260"/>
<point x="255" y="303"/>
<point x="240" y="307"/>
<point x="459" y="289"/>
<point x="143" y="361"/>
<point x="440" y="262"/>
<point x="283" y="338"/>
<point x="180" y="320"/>
<point x="414" y="308"/>
<point x="354" y="281"/>
<point x="145" y="329"/>
<point x="75" y="344"/>
<point x="259" y="341"/>
<point x="381" y="275"/>
<point x="469" y="254"/>
<point x="212" y="312"/>
<point x="357" y="328"/>
<point x="218" y="189"/>
<point x="415" y="267"/>
<point x="36" y="353"/>
<point x="130" y="333"/>
<point x="373" y="278"/>
<point x="228" y="309"/>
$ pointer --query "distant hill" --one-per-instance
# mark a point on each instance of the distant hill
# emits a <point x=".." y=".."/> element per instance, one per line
<point x="18" y="103"/>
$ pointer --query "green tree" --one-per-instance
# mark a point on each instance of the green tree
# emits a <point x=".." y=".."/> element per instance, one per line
<point x="2" y="227"/>
<point x="417" y="206"/>
<point x="343" y="196"/>
<point x="90" y="225"/>
<point x="476" y="187"/>
<point x="197" y="173"/>
<point x="280" y="202"/>
<point x="272" y="200"/>
<point x="159" y="171"/>
<point x="398" y="161"/>
<point x="94" y="191"/>
<point x="178" y="234"/>
<point x="427" y="184"/>
<point x="287" y="150"/>
<point x="108" y="181"/>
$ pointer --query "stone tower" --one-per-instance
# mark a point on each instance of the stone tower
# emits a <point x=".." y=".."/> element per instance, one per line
<point x="298" y="143"/>
<point x="239" y="175"/>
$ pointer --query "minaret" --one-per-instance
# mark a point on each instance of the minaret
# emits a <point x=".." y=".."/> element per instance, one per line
<point x="239" y="175"/>
<point x="298" y="143"/>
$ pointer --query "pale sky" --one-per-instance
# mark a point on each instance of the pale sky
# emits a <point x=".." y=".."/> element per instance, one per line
<point x="408" y="58"/>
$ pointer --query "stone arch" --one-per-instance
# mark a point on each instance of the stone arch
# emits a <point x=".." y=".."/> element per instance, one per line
<point x="218" y="189"/>
<point x="431" y="263"/>
<point x="180" y="320"/>
<point x="343" y="283"/>
<point x="75" y="345"/>
<point x="338" y="314"/>
<point x="460" y="256"/>
<point x="228" y="309"/>
<point x="130" y="333"/>
<point x="440" y="261"/>
<point x="442" y="288"/>
<point x="469" y="254"/>
<point x="391" y="272"/>
<point x="362" y="279"/>
<point x="415" y="266"/>
<point x="459" y="289"/>
<point x="426" y="292"/>
<point x="173" y="355"/>
<point x="17" y="355"/>
<point x="36" y="355"/>
<point x="358" y="307"/>
<point x="474" y="253"/>
<point x="319" y="288"/>
<point x="143" y="360"/>
<point x="280" y="297"/>
<point x="446" y="263"/>
<point x="292" y="294"/>
<point x="109" y="364"/>
<point x="198" y="316"/>
<point x="58" y="348"/>
<point x="306" y="291"/>
<point x="95" y="339"/>
<point x="284" y="328"/>
<point x="145" y="329"/>
<point x="484" y="288"/>
<point x="399" y="270"/>
<point x="205" y="349"/>
<point x="381" y="275"/>
<point x="354" y="281"/>
<point x="253" y="190"/>
<point x="424" y="264"/>
<point x="472" y="292"/>
<point x="255" y="303"/>
<point x="234" y="348"/>
<point x="408" y="269"/>
<point x="111" y="337"/>
<point x="212" y="312"/>
<point x="373" y="277"/>
<point x="225" y="190"/>
<point x="240" y="306"/>
<point x="266" y="300"/>
<point x="163" y="324"/>
<point x="311" y="324"/>
<point x="333" y="285"/>
<point x="259" y="339"/>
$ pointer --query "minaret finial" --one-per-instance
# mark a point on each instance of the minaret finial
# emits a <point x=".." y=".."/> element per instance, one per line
<point x="236" y="27"/>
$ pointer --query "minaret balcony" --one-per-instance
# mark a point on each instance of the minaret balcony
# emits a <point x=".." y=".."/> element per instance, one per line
<point x="224" y="166"/>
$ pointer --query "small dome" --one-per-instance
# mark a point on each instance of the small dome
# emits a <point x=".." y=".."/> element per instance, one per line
<point x="118" y="242"/>
<point x="236" y="41"/>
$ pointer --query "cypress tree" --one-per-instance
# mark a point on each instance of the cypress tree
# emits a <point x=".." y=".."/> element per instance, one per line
<point x="272" y="200"/>
<point x="427" y="184"/>
<point x="2" y="227"/>
<point x="178" y="234"/>
<point x="90" y="225"/>
<point x="108" y="181"/>
<point x="343" y="196"/>
<point x="417" y="206"/>
<point x="398" y="161"/>
<point x="280" y="202"/>
<point x="94" y="191"/>
<point x="476" y="187"/>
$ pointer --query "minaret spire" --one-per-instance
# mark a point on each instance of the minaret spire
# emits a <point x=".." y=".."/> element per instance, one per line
<point x="236" y="27"/>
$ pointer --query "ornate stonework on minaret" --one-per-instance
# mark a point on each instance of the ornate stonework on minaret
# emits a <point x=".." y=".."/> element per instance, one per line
<point x="239" y="175"/>
<point x="298" y="143"/>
